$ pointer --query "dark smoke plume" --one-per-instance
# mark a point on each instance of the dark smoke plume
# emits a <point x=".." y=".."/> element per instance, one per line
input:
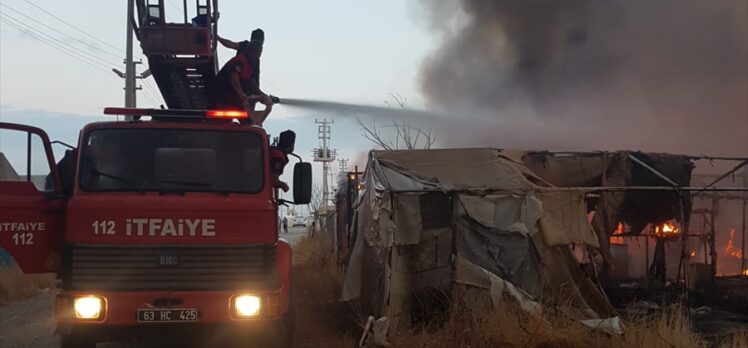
<point x="658" y="75"/>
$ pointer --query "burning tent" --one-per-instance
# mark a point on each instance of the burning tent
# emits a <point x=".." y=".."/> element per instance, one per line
<point x="476" y="219"/>
<point x="657" y="213"/>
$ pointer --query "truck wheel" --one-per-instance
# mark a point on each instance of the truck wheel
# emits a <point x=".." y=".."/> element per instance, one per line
<point x="77" y="341"/>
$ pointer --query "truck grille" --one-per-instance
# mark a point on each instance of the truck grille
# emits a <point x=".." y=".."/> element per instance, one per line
<point x="130" y="268"/>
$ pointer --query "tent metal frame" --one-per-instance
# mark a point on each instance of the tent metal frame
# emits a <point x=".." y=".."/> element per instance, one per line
<point x="709" y="191"/>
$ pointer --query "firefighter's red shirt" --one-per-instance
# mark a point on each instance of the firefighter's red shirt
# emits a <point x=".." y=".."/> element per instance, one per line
<point x="223" y="93"/>
<point x="241" y="64"/>
<point x="278" y="161"/>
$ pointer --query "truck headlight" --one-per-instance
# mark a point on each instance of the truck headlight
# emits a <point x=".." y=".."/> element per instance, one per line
<point x="246" y="306"/>
<point x="89" y="307"/>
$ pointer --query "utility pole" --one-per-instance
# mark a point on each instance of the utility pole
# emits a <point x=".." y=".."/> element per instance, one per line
<point x="324" y="155"/>
<point x="130" y="99"/>
<point x="744" y="227"/>
<point x="343" y="163"/>
<point x="342" y="169"/>
<point x="130" y="75"/>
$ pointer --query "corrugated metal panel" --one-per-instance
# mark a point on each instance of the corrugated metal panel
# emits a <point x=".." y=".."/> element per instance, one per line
<point x="204" y="267"/>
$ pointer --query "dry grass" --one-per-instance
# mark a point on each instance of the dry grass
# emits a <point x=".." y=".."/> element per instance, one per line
<point x="14" y="285"/>
<point x="508" y="326"/>
<point x="739" y="340"/>
<point x="318" y="281"/>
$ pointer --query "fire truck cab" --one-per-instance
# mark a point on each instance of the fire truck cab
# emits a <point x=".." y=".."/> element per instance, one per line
<point x="156" y="228"/>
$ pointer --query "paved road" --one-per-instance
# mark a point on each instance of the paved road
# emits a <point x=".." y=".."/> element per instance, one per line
<point x="294" y="234"/>
<point x="30" y="323"/>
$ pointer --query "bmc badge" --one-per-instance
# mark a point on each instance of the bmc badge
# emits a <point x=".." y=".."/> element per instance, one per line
<point x="168" y="260"/>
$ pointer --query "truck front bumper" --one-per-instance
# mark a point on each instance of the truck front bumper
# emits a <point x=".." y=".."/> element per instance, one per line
<point x="210" y="307"/>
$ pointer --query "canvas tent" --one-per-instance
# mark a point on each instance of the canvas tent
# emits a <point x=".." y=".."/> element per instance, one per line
<point x="621" y="169"/>
<point x="474" y="218"/>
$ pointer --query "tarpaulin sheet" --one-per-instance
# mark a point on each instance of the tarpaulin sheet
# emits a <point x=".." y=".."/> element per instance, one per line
<point x="453" y="168"/>
<point x="513" y="212"/>
<point x="468" y="273"/>
<point x="408" y="219"/>
<point x="424" y="210"/>
<point x="618" y="169"/>
<point x="561" y="223"/>
<point x="510" y="254"/>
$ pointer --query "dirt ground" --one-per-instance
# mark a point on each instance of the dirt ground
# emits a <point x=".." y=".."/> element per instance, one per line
<point x="29" y="323"/>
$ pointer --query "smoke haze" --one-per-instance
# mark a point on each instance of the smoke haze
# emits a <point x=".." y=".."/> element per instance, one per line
<point x="665" y="75"/>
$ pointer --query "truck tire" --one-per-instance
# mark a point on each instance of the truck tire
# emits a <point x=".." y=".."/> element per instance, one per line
<point x="77" y="341"/>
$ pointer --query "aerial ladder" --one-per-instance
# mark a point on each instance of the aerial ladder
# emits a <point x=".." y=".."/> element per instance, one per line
<point x="181" y="56"/>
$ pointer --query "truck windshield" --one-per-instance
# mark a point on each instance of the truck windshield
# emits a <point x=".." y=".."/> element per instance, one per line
<point x="172" y="160"/>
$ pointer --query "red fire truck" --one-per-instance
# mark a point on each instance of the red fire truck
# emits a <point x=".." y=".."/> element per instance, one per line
<point x="154" y="226"/>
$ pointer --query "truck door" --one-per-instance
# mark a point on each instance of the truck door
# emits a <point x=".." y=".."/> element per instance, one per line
<point x="31" y="203"/>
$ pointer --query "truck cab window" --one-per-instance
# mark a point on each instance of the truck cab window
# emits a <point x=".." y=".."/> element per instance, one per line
<point x="172" y="160"/>
<point x="23" y="158"/>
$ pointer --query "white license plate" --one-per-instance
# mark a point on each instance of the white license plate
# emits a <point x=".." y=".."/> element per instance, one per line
<point x="167" y="315"/>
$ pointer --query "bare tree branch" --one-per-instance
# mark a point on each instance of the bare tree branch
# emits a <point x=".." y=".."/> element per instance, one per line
<point x="405" y="135"/>
<point x="316" y="200"/>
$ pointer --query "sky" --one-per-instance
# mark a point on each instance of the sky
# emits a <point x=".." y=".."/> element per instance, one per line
<point x="362" y="52"/>
<point x="329" y="50"/>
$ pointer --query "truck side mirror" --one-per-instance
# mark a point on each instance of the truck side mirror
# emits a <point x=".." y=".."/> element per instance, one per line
<point x="287" y="141"/>
<point x="302" y="183"/>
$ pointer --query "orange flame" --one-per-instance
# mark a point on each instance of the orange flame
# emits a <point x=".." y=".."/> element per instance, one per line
<point x="731" y="249"/>
<point x="666" y="230"/>
<point x="745" y="272"/>
<point x="615" y="238"/>
<point x="692" y="253"/>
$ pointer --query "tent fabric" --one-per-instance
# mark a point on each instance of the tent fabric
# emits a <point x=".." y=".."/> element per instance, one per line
<point x="454" y="169"/>
<point x="508" y="254"/>
<point x="409" y="229"/>
<point x="479" y="217"/>
<point x="618" y="169"/>
<point x="468" y="273"/>
<point x="561" y="224"/>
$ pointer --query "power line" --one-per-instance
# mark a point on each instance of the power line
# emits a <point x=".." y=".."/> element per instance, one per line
<point x="149" y="89"/>
<point x="88" y="58"/>
<point x="153" y="90"/>
<point x="52" y="40"/>
<point x="61" y="33"/>
<point x="175" y="5"/>
<point x="150" y="99"/>
<point x="30" y="31"/>
<point x="155" y="93"/>
<point x="74" y="27"/>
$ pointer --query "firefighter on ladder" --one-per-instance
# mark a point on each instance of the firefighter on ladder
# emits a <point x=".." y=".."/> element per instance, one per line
<point x="228" y="88"/>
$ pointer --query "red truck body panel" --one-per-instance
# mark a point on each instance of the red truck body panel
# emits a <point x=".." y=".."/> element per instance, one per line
<point x="169" y="219"/>
<point x="153" y="218"/>
<point x="31" y="227"/>
<point x="31" y="221"/>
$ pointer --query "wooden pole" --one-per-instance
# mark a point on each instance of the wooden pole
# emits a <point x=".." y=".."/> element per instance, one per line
<point x="713" y="237"/>
<point x="646" y="257"/>
<point x="742" y="259"/>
